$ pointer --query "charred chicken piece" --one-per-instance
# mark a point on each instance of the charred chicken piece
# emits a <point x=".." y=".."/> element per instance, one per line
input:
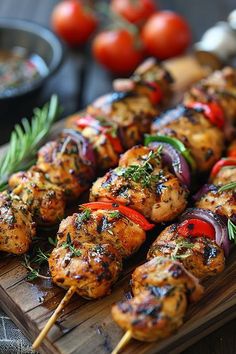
<point x="152" y="317"/>
<point x="103" y="136"/>
<point x="222" y="203"/>
<point x="161" y="271"/>
<point x="141" y="183"/>
<point x="65" y="164"/>
<point x="219" y="87"/>
<point x="103" y="226"/>
<point x="201" y="256"/>
<point x="150" y="79"/>
<point x="44" y="199"/>
<point x="204" y="140"/>
<point x="132" y="113"/>
<point x="226" y="175"/>
<point x="91" y="268"/>
<point x="16" y="225"/>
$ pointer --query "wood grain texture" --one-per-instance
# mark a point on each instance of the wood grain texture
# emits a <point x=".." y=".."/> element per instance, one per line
<point x="87" y="327"/>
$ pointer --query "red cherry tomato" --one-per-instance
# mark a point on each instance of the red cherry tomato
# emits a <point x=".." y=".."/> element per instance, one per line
<point x="117" y="51"/>
<point x="134" y="11"/>
<point x="211" y="111"/>
<point x="196" y="228"/>
<point x="73" y="22"/>
<point x="222" y="163"/>
<point x="166" y="34"/>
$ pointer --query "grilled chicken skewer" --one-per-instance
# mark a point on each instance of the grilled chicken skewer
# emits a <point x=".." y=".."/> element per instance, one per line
<point x="200" y="246"/>
<point x="142" y="182"/>
<point x="89" y="252"/>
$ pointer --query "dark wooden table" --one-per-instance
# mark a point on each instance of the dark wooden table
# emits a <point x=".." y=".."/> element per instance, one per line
<point x="80" y="80"/>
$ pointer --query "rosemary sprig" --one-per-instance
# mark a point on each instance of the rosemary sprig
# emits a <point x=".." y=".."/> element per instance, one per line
<point x="226" y="187"/>
<point x="25" y="140"/>
<point x="232" y="231"/>
<point x="143" y="173"/>
<point x="68" y="244"/>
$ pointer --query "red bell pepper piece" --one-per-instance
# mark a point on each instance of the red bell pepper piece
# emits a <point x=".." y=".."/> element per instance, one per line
<point x="156" y="94"/>
<point x="222" y="163"/>
<point x="196" y="228"/>
<point x="131" y="214"/>
<point x="211" y="111"/>
<point x="89" y="121"/>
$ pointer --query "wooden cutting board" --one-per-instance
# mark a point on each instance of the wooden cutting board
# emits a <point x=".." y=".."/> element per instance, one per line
<point x="86" y="326"/>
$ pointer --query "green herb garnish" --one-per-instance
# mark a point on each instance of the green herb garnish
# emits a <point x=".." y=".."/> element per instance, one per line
<point x="84" y="215"/>
<point x="68" y="244"/>
<point x="180" y="246"/>
<point x="25" y="140"/>
<point x="143" y="173"/>
<point x="226" y="187"/>
<point x="232" y="231"/>
<point x="33" y="272"/>
<point x="114" y="214"/>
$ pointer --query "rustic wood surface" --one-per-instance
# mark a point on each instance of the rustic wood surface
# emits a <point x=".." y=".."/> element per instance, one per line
<point x="77" y="84"/>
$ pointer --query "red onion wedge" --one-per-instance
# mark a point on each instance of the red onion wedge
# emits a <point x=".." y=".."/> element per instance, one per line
<point x="172" y="158"/>
<point x="85" y="149"/>
<point x="204" y="190"/>
<point x="221" y="232"/>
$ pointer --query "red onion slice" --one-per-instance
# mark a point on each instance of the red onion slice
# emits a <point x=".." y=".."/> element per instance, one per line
<point x="85" y="149"/>
<point x="221" y="231"/>
<point x="177" y="163"/>
<point x="204" y="190"/>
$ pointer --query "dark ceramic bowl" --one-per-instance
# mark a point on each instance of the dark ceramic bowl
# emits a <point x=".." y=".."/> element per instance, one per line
<point x="33" y="40"/>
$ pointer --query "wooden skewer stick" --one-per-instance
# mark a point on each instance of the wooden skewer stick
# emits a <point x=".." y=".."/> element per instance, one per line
<point x="123" y="342"/>
<point x="54" y="317"/>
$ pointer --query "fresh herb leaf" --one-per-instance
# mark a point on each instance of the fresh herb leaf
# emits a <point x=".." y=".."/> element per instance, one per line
<point x="232" y="231"/>
<point x="40" y="257"/>
<point x="25" y="140"/>
<point x="181" y="246"/>
<point x="33" y="272"/>
<point x="114" y="214"/>
<point x="226" y="187"/>
<point x="52" y="241"/>
<point x="84" y="215"/>
<point x="143" y="173"/>
<point x="68" y="244"/>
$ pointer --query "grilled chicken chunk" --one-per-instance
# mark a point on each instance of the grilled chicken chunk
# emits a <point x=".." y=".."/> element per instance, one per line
<point x="16" y="225"/>
<point x="102" y="135"/>
<point x="91" y="268"/>
<point x="152" y="317"/>
<point x="199" y="255"/>
<point x="150" y="79"/>
<point x="160" y="272"/>
<point x="64" y="165"/>
<point x="44" y="199"/>
<point x="222" y="203"/>
<point x="219" y="86"/>
<point x="103" y="226"/>
<point x="141" y="183"/>
<point x="150" y="75"/>
<point x="204" y="140"/>
<point x="132" y="113"/>
<point x="226" y="175"/>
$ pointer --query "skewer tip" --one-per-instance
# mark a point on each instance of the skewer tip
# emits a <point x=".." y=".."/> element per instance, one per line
<point x="123" y="342"/>
<point x="54" y="317"/>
